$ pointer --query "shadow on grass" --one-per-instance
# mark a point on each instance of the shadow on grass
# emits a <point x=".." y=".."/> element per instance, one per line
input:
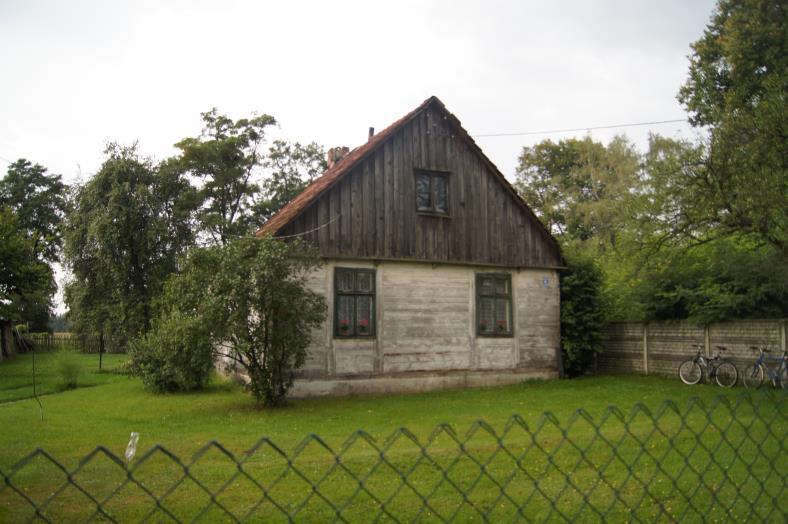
<point x="48" y="393"/>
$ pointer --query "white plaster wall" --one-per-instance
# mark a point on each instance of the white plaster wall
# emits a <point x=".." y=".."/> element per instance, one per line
<point x="538" y="328"/>
<point x="426" y="317"/>
<point x="426" y="323"/>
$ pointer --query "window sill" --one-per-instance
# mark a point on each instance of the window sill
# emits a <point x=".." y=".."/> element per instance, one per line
<point x="433" y="214"/>
<point x="495" y="335"/>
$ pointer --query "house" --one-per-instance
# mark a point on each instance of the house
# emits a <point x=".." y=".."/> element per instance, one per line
<point x="437" y="274"/>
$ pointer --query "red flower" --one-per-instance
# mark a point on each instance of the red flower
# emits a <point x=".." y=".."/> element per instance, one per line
<point x="363" y="322"/>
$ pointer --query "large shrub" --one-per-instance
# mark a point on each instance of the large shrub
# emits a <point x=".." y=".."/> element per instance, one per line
<point x="259" y="304"/>
<point x="582" y="315"/>
<point x="176" y="355"/>
<point x="246" y="302"/>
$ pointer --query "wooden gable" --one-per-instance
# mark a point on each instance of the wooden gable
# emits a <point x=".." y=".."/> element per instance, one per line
<point x="365" y="207"/>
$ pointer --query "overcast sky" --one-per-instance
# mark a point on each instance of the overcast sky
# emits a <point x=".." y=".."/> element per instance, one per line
<point x="78" y="74"/>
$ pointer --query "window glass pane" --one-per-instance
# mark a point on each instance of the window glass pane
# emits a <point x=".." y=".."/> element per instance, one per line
<point x="423" y="198"/>
<point x="502" y="286"/>
<point x="502" y="316"/>
<point x="345" y="316"/>
<point x="486" y="286"/>
<point x="486" y="315"/>
<point x="345" y="280"/>
<point x="364" y="281"/>
<point x="363" y="315"/>
<point x="441" y="196"/>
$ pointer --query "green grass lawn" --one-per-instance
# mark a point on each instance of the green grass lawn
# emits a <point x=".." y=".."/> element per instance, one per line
<point x="16" y="374"/>
<point x="724" y="463"/>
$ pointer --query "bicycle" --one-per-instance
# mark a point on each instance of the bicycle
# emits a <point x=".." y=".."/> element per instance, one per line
<point x="754" y="374"/>
<point x="724" y="372"/>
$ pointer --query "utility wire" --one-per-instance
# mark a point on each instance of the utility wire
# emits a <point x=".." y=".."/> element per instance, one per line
<point x="321" y="226"/>
<point x="549" y="131"/>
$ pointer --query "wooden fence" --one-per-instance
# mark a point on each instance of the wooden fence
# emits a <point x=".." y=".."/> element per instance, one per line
<point x="659" y="347"/>
<point x="66" y="342"/>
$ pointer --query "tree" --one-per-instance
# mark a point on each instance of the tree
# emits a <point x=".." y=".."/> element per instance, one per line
<point x="26" y="282"/>
<point x="290" y="168"/>
<point x="582" y="315"/>
<point x="720" y="280"/>
<point x="251" y="298"/>
<point x="652" y="230"/>
<point x="580" y="188"/>
<point x="39" y="202"/>
<point x="225" y="158"/>
<point x="34" y="202"/>
<point x="127" y="227"/>
<point x="736" y="87"/>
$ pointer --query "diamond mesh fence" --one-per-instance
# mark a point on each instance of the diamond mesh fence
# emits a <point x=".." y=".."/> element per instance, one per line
<point x="724" y="460"/>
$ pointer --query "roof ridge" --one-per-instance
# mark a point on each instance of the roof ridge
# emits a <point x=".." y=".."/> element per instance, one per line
<point x="332" y="175"/>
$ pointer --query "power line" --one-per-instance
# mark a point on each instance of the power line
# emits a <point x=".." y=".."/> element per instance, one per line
<point x="549" y="131"/>
<point x="321" y="226"/>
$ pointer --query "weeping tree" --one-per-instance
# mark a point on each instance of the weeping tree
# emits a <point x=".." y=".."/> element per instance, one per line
<point x="126" y="229"/>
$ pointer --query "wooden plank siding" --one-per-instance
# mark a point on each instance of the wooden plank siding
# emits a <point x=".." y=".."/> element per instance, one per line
<point x="370" y="212"/>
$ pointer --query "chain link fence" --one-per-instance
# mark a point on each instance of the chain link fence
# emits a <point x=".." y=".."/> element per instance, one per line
<point x="725" y="460"/>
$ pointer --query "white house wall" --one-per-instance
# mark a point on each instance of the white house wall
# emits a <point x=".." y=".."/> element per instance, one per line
<point x="426" y="325"/>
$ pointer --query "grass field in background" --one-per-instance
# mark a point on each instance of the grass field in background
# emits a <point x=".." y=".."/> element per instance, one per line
<point x="727" y="465"/>
<point x="16" y="374"/>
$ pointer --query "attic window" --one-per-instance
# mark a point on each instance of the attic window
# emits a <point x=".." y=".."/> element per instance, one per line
<point x="432" y="192"/>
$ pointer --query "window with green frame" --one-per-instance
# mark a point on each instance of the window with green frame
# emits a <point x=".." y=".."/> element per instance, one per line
<point x="354" y="304"/>
<point x="493" y="305"/>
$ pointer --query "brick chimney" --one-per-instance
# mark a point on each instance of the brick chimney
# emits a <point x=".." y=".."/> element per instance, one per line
<point x="335" y="154"/>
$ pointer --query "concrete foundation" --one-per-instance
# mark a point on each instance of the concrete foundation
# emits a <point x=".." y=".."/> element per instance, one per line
<point x="411" y="383"/>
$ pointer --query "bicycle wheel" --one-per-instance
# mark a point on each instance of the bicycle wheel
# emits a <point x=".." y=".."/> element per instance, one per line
<point x="726" y="374"/>
<point x="784" y="378"/>
<point x="753" y="376"/>
<point x="690" y="372"/>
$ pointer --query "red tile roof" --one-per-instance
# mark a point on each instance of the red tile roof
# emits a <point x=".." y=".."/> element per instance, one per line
<point x="332" y="175"/>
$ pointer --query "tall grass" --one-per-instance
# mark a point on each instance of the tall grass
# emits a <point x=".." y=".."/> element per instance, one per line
<point x="69" y="367"/>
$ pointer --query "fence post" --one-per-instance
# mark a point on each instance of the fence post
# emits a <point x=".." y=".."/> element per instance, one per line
<point x="706" y="341"/>
<point x="101" y="346"/>
<point x="782" y="335"/>
<point x="645" y="347"/>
